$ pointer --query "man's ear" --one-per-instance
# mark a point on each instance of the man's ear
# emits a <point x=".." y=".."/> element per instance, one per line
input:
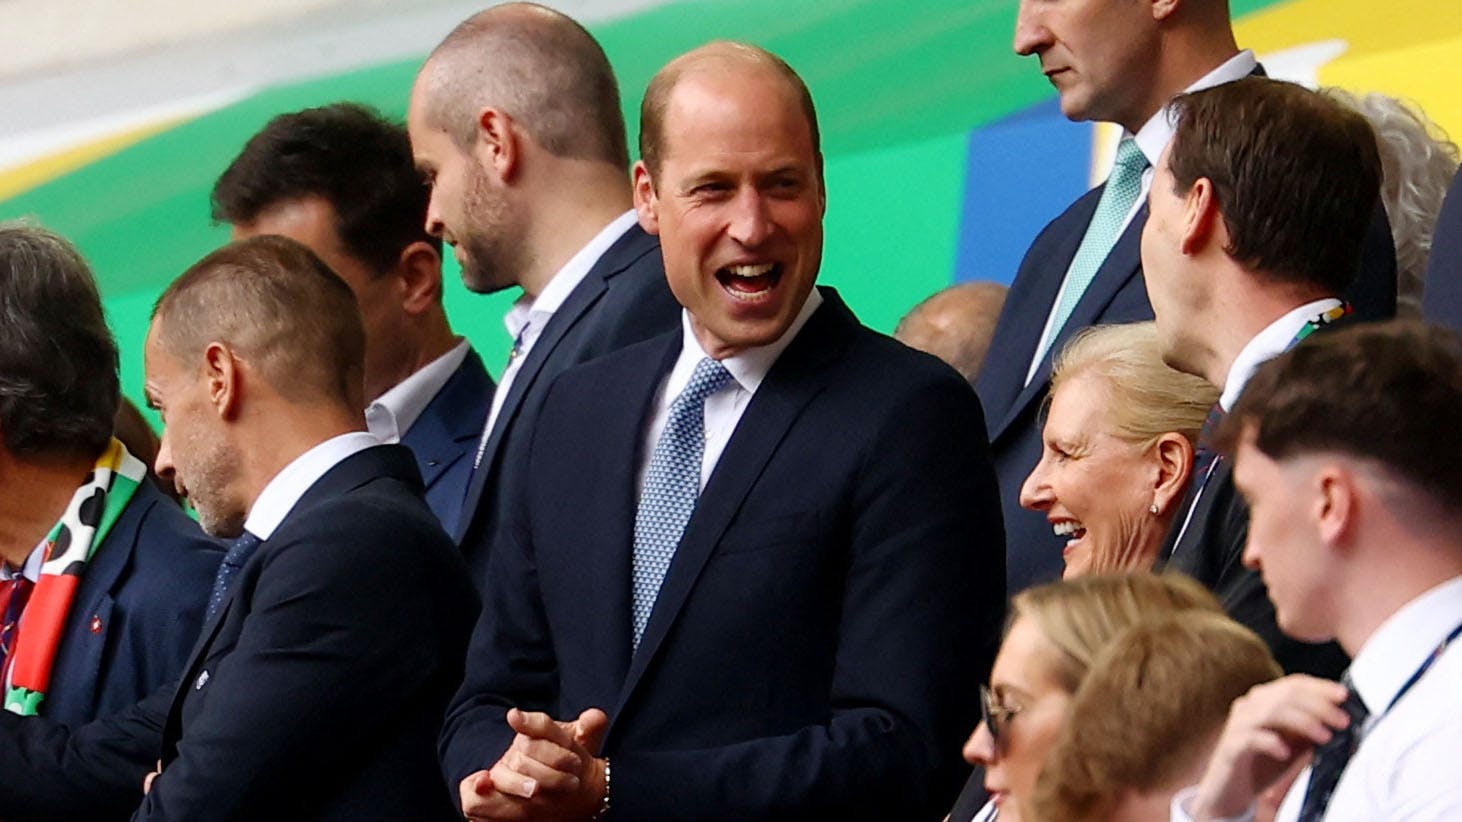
<point x="1335" y="504"/>
<point x="1201" y="217"/>
<point x="221" y="371"/>
<point x="1163" y="9"/>
<point x="647" y="202"/>
<point x="420" y="269"/>
<point x="498" y="148"/>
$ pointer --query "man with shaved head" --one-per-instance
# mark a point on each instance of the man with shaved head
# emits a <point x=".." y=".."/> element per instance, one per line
<point x="755" y="563"/>
<point x="955" y="325"/>
<point x="515" y="122"/>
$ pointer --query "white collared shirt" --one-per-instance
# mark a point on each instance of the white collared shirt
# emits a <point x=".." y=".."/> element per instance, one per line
<point x="526" y="319"/>
<point x="283" y="492"/>
<point x="1274" y="340"/>
<point x="30" y="569"/>
<point x="393" y="413"/>
<point x="1407" y="764"/>
<point x="1151" y="139"/>
<point x="724" y="408"/>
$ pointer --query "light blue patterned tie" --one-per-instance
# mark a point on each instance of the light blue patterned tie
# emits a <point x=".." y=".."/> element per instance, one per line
<point x="672" y="485"/>
<point x="1123" y="186"/>
<point x="239" y="552"/>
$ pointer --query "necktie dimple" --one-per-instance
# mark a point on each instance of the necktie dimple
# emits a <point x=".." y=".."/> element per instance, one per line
<point x="239" y="552"/>
<point x="1118" y="197"/>
<point x="672" y="486"/>
<point x="1331" y="759"/>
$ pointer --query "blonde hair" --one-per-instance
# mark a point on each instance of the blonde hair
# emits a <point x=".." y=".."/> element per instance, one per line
<point x="1146" y="398"/>
<point x="1148" y="712"/>
<point x="1080" y="617"/>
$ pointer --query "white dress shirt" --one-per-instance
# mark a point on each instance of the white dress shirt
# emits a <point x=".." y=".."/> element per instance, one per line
<point x="724" y="408"/>
<point x="392" y="414"/>
<point x="1407" y="765"/>
<point x="1152" y="139"/>
<point x="283" y="492"/>
<point x="526" y="319"/>
<point x="1274" y="340"/>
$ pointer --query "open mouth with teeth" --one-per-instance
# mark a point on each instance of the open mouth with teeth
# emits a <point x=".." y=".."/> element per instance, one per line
<point x="1071" y="529"/>
<point x="749" y="282"/>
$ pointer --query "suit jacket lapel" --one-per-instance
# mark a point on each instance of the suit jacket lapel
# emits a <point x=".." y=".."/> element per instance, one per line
<point x="455" y="414"/>
<point x="625" y="251"/>
<point x="797" y="376"/>
<point x="1123" y="263"/>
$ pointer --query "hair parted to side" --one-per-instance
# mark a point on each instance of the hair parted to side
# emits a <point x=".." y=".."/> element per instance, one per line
<point x="1296" y="177"/>
<point x="541" y="68"/>
<point x="1148" y="712"/>
<point x="1146" y="398"/>
<point x="1385" y="392"/>
<point x="717" y="53"/>
<point x="58" y="362"/>
<point x="278" y="307"/>
<point x="1080" y="616"/>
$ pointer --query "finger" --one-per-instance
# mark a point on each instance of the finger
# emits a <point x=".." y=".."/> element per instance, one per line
<point x="1272" y="745"/>
<point x="590" y="729"/>
<point x="515" y="765"/>
<point x="549" y="754"/>
<point x="540" y="725"/>
<point x="482" y="801"/>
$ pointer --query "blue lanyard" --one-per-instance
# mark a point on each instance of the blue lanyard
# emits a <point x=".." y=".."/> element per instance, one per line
<point x="1425" y="666"/>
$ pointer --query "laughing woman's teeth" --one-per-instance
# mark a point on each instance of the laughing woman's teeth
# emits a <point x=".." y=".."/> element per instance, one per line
<point x="1066" y="529"/>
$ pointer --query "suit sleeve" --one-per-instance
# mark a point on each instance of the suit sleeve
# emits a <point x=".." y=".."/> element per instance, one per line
<point x="329" y="659"/>
<point x="923" y="597"/>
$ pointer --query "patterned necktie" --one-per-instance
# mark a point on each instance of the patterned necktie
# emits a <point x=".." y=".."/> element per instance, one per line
<point x="1123" y="186"/>
<point x="14" y="594"/>
<point x="1331" y="758"/>
<point x="239" y="552"/>
<point x="672" y="485"/>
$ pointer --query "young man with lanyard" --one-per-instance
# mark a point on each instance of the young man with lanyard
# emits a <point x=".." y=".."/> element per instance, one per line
<point x="1356" y="537"/>
<point x="1256" y="220"/>
<point x="104" y="580"/>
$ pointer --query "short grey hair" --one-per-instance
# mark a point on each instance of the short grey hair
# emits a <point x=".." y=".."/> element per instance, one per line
<point x="58" y="362"/>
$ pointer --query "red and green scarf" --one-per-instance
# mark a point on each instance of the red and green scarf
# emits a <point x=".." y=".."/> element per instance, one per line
<point x="69" y="547"/>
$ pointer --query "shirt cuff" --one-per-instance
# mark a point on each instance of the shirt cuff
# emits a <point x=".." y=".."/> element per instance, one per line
<point x="1182" y="808"/>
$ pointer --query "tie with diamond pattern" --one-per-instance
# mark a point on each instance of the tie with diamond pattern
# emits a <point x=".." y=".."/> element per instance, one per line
<point x="1331" y="758"/>
<point x="672" y="485"/>
<point x="239" y="552"/>
<point x="1123" y="186"/>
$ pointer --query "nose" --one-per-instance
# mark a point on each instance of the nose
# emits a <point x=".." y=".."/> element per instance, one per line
<point x="1031" y="36"/>
<point x="750" y="225"/>
<point x="1035" y="492"/>
<point x="979" y="749"/>
<point x="163" y="464"/>
<point x="434" y="225"/>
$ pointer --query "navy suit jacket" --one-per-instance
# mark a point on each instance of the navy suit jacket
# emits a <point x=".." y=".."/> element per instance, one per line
<point x="136" y="612"/>
<point x="444" y="438"/>
<point x="314" y="693"/>
<point x="1116" y="295"/>
<point x="1441" y="300"/>
<point x="624" y="299"/>
<point x="835" y="597"/>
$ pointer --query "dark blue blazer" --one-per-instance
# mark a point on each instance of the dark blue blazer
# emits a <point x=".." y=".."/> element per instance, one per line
<point x="315" y="693"/>
<point x="834" y="600"/>
<point x="1441" y="300"/>
<point x="444" y="438"/>
<point x="623" y="299"/>
<point x="1116" y="295"/>
<point x="136" y="613"/>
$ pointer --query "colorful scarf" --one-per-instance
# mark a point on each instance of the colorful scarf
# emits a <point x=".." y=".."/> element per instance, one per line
<point x="69" y="547"/>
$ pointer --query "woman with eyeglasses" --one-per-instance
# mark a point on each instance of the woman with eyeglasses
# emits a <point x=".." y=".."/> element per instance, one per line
<point x="1053" y="635"/>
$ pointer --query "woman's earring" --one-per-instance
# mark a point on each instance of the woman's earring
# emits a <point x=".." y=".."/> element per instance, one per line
<point x="1153" y="509"/>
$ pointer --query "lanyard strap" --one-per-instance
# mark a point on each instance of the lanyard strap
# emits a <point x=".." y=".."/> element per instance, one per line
<point x="1425" y="666"/>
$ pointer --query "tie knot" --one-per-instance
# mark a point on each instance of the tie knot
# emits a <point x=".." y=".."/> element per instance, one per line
<point x="1129" y="156"/>
<point x="709" y="377"/>
<point x="240" y="549"/>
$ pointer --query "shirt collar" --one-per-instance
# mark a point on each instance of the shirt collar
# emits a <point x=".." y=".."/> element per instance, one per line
<point x="1398" y="648"/>
<point x="1267" y="344"/>
<point x="748" y="367"/>
<point x="393" y="413"/>
<point x="283" y="492"/>
<point x="577" y="268"/>
<point x="1157" y="132"/>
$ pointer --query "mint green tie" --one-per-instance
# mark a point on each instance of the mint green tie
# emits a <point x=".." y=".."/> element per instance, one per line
<point x="1123" y="186"/>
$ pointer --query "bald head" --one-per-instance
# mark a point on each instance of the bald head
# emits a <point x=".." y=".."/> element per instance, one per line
<point x="718" y="57"/>
<point x="540" y="68"/>
<point x="275" y="304"/>
<point x="955" y="324"/>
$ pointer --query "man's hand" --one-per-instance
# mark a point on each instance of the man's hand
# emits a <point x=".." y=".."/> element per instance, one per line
<point x="1269" y="730"/>
<point x="549" y="772"/>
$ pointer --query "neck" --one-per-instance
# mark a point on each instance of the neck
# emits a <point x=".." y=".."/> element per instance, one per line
<point x="578" y="199"/>
<point x="1184" y="57"/>
<point x="1249" y="303"/>
<point x="277" y="432"/>
<point x="431" y="338"/>
<point x="33" y="496"/>
<point x="1407" y="556"/>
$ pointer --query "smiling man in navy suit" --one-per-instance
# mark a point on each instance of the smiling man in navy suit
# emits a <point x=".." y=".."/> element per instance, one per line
<point x="1115" y="61"/>
<point x="340" y="179"/>
<point x="755" y="568"/>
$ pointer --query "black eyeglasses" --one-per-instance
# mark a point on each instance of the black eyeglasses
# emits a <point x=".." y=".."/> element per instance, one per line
<point x="996" y="716"/>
